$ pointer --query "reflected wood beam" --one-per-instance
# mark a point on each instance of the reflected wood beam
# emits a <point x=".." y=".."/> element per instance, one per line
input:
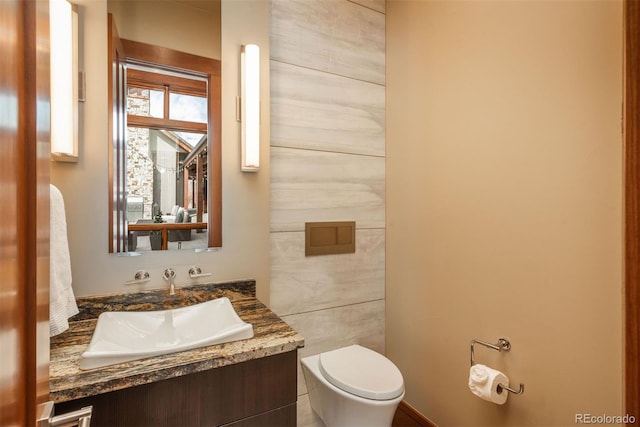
<point x="185" y="188"/>
<point x="174" y="125"/>
<point x="200" y="187"/>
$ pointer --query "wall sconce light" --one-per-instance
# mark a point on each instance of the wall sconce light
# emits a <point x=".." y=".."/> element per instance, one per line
<point x="250" y="107"/>
<point x="64" y="80"/>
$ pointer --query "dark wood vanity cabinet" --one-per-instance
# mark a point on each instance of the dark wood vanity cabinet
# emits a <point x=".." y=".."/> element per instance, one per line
<point x="260" y="392"/>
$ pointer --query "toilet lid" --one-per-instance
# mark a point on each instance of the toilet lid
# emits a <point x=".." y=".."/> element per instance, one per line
<point x="362" y="372"/>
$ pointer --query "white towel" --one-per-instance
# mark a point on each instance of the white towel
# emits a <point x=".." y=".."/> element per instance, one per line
<point x="62" y="302"/>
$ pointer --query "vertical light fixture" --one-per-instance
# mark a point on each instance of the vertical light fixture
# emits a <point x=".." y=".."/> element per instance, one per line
<point x="250" y="107"/>
<point x="64" y="80"/>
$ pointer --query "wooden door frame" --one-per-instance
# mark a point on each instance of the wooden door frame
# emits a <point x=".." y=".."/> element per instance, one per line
<point x="632" y="206"/>
<point x="24" y="188"/>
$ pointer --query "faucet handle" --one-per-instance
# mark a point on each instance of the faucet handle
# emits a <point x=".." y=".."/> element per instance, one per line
<point x="195" y="272"/>
<point x="169" y="274"/>
<point x="140" y="277"/>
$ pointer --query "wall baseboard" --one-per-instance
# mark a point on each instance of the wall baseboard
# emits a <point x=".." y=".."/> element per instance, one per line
<point x="407" y="416"/>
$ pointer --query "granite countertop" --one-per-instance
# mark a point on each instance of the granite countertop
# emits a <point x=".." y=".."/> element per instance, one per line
<point x="67" y="382"/>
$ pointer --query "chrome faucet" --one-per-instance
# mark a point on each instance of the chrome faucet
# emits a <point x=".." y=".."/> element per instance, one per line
<point x="170" y="275"/>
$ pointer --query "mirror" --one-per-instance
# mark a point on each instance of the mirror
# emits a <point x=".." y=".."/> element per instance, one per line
<point x="165" y="123"/>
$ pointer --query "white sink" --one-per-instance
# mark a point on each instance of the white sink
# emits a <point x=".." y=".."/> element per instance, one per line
<point x="122" y="336"/>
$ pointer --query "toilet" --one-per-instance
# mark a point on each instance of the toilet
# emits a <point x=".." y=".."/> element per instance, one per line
<point x="353" y="386"/>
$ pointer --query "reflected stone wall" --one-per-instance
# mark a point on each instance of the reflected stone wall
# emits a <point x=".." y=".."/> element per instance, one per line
<point x="139" y="162"/>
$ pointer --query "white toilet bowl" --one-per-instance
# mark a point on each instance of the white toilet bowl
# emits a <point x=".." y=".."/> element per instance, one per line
<point x="353" y="386"/>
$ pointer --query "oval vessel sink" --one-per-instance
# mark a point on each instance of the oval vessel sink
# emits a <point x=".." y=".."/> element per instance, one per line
<point x="122" y="336"/>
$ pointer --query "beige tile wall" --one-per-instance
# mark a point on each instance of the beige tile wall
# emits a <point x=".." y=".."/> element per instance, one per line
<point x="335" y="36"/>
<point x="328" y="164"/>
<point x="321" y="111"/>
<point x="310" y="185"/>
<point x="306" y="284"/>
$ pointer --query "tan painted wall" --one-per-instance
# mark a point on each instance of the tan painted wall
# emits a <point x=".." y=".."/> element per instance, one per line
<point x="170" y="24"/>
<point x="504" y="205"/>
<point x="245" y="251"/>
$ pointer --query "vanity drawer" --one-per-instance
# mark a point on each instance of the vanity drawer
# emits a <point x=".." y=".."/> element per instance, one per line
<point x="278" y="417"/>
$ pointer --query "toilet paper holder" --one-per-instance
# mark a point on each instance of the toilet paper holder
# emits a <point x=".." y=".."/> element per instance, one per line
<point x="502" y="345"/>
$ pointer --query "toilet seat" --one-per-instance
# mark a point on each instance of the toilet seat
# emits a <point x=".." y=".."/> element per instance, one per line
<point x="363" y="372"/>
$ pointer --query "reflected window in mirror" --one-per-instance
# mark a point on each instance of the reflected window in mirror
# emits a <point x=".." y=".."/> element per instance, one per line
<point x="166" y="169"/>
<point x="166" y="134"/>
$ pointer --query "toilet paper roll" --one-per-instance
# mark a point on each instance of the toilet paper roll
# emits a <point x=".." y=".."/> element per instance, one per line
<point x="484" y="381"/>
